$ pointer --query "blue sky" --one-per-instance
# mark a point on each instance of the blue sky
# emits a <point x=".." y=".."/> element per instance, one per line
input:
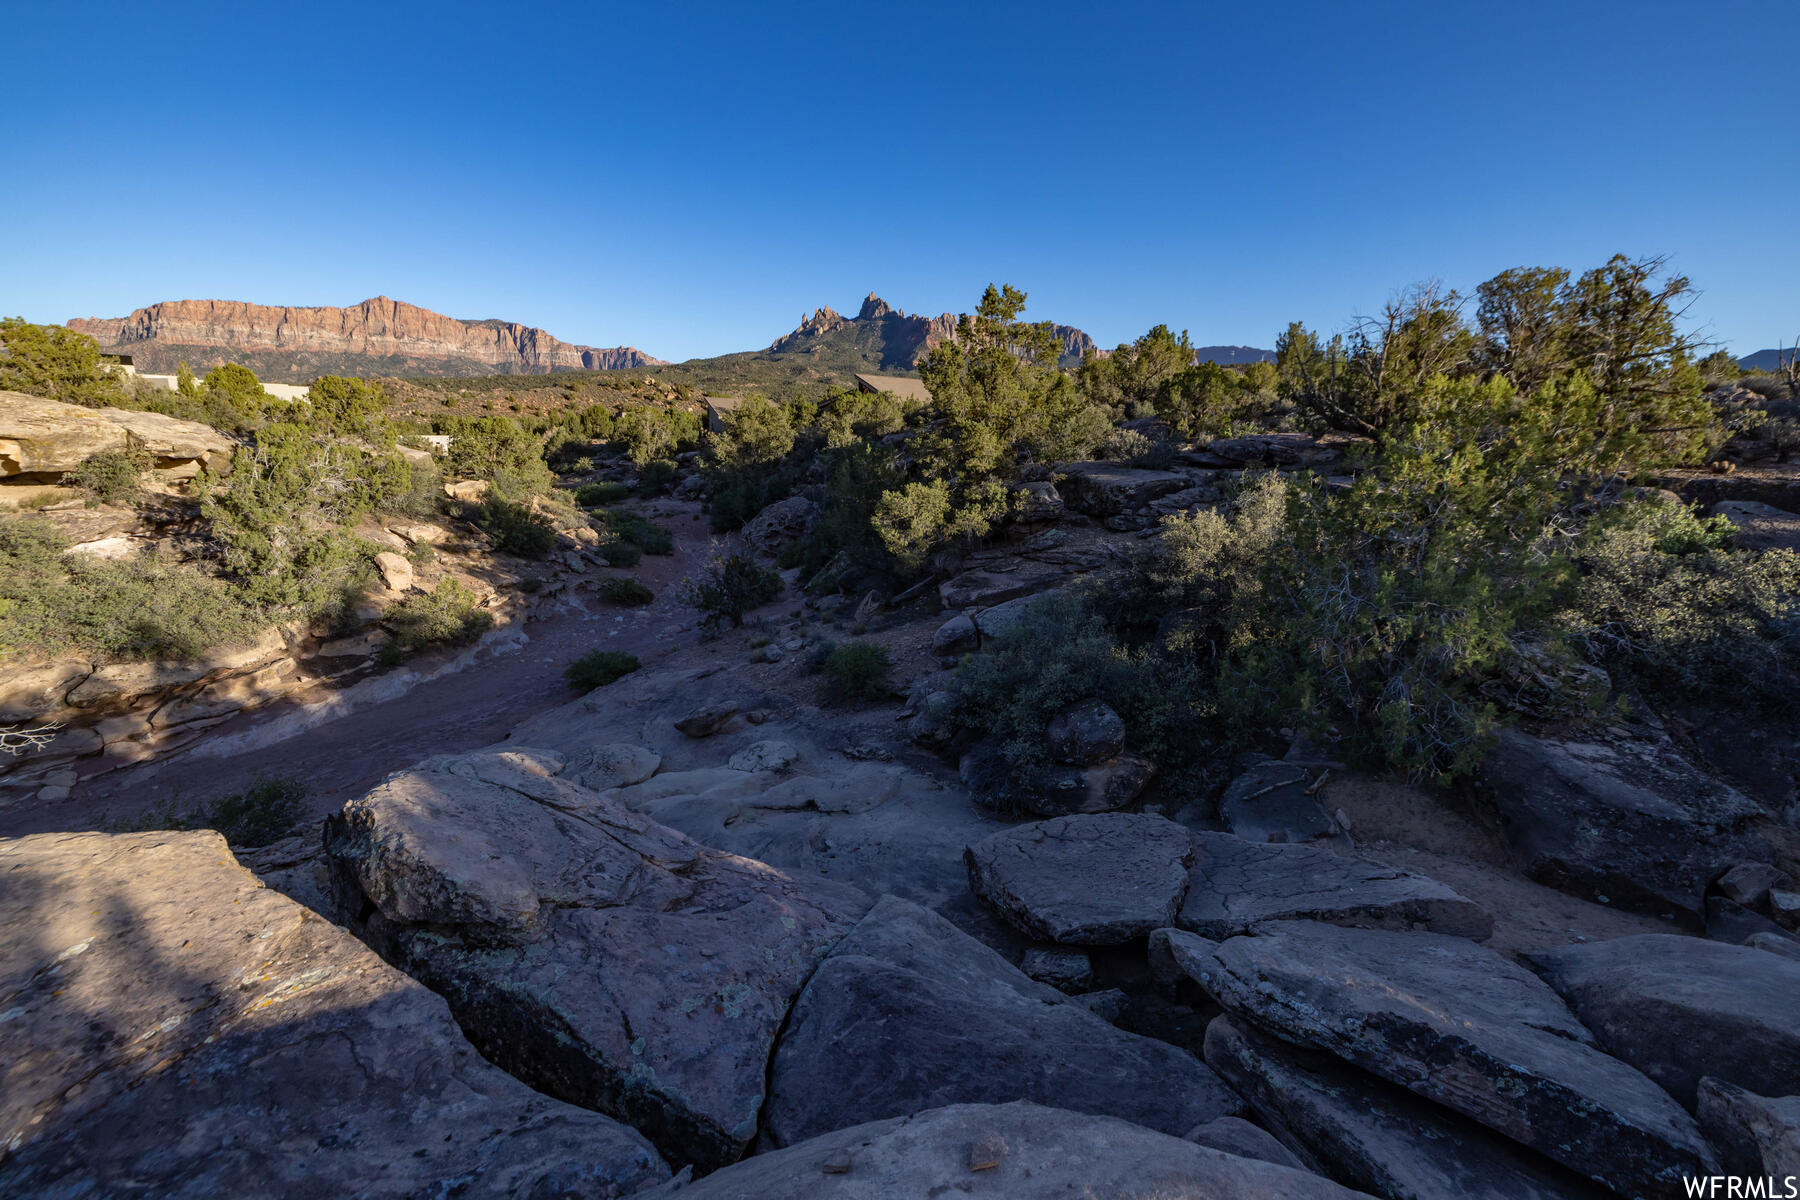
<point x="689" y="178"/>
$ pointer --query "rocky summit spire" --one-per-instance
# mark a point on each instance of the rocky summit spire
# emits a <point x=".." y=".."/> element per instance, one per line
<point x="873" y="308"/>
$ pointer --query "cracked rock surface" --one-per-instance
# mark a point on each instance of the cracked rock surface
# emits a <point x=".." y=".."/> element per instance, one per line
<point x="173" y="1028"/>
<point x="602" y="958"/>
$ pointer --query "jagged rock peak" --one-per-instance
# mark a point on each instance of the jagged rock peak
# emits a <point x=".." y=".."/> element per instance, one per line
<point x="873" y="307"/>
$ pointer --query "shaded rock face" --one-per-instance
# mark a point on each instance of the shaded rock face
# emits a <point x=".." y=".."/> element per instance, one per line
<point x="1085" y="733"/>
<point x="1103" y="489"/>
<point x="48" y="438"/>
<point x="1234" y="1135"/>
<point x="1373" y="1135"/>
<point x="780" y="523"/>
<point x="1235" y="884"/>
<point x="909" y="1013"/>
<point x="377" y="328"/>
<point x="1679" y="1008"/>
<point x="1017" y="1151"/>
<point x="1096" y="880"/>
<point x="1461" y="1026"/>
<point x="173" y="1028"/>
<point x="1634" y="826"/>
<point x="600" y="957"/>
<point x="1756" y="1135"/>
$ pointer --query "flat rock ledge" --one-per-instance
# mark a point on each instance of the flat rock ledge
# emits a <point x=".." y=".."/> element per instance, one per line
<point x="175" y="1029"/>
<point x="1454" y="1022"/>
<point x="1095" y="880"/>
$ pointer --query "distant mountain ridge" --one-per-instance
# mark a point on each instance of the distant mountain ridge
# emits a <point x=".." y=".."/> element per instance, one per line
<point x="1763" y="360"/>
<point x="377" y="337"/>
<point x="884" y="336"/>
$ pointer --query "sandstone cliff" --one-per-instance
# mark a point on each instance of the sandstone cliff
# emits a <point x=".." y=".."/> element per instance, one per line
<point x="379" y="336"/>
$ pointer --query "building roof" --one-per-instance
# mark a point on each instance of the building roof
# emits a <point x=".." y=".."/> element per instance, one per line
<point x="904" y="386"/>
<point x="717" y="407"/>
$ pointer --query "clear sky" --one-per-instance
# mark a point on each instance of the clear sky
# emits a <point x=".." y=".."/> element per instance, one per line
<point x="689" y="178"/>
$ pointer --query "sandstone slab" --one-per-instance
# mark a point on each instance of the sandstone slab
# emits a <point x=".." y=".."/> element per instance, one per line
<point x="1634" y="824"/>
<point x="1679" y="1008"/>
<point x="1234" y="884"/>
<point x="1757" y="1136"/>
<point x="603" y="958"/>
<point x="1461" y="1026"/>
<point x="1369" y="1134"/>
<point x="1273" y="802"/>
<point x="909" y="1013"/>
<point x="174" y="1028"/>
<point x="1095" y="880"/>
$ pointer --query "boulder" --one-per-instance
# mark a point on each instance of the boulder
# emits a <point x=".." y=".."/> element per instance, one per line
<point x="1761" y="526"/>
<point x="1749" y="884"/>
<point x="996" y="622"/>
<point x="1678" y="1008"/>
<point x="1104" y="489"/>
<point x="1775" y="943"/>
<point x="1784" y="906"/>
<point x="616" y="764"/>
<point x="1369" y="1134"/>
<point x="1755" y="1135"/>
<point x="1459" y="1025"/>
<point x="1084" y="734"/>
<point x="600" y="957"/>
<point x="1234" y="1135"/>
<point x="1018" y="1151"/>
<point x="955" y="637"/>
<point x="174" y="1028"/>
<point x="1094" y="880"/>
<point x="1039" y="502"/>
<point x="1235" y="884"/>
<point x="1273" y="802"/>
<point x="704" y="722"/>
<point x="467" y="490"/>
<point x="909" y="1013"/>
<point x="1633" y="824"/>
<point x="396" y="571"/>
<point x="1730" y="922"/>
<point x="778" y="524"/>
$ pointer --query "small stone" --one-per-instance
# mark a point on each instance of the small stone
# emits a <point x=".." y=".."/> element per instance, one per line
<point x="1064" y="970"/>
<point x="1784" y="906"/>
<point x="53" y="794"/>
<point x="837" y="1163"/>
<point x="986" y="1152"/>
<point x="396" y="572"/>
<point x="64" y="778"/>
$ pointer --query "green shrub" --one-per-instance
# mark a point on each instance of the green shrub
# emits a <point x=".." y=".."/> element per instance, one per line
<point x="514" y="528"/>
<point x="265" y="812"/>
<point x="640" y="532"/>
<point x="445" y="616"/>
<point x="1665" y="602"/>
<point x="658" y="476"/>
<point x="621" y="554"/>
<point x="499" y="450"/>
<point x="1059" y="653"/>
<point x="149" y="607"/>
<point x="858" y="671"/>
<point x="729" y="587"/>
<point x="597" y="668"/>
<point x="112" y="476"/>
<point x="622" y="589"/>
<point x="593" y="495"/>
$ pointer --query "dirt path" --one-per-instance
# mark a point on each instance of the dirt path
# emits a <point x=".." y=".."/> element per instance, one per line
<point x="502" y="684"/>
